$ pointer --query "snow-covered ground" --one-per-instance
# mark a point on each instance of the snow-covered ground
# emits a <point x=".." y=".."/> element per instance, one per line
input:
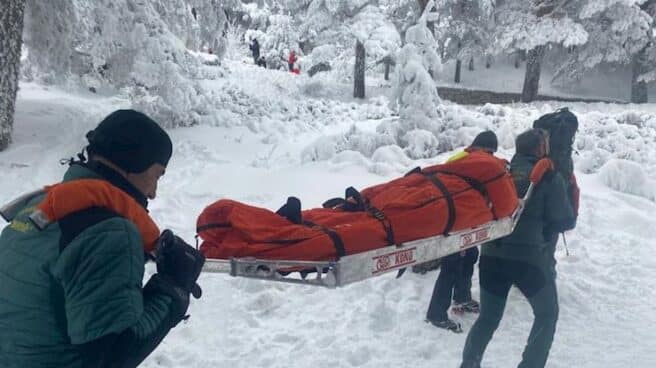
<point x="262" y="152"/>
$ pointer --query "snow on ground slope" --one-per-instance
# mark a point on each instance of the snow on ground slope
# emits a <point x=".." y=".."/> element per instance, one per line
<point x="606" y="284"/>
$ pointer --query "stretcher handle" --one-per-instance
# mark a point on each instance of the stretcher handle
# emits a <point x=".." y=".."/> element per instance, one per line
<point x="541" y="168"/>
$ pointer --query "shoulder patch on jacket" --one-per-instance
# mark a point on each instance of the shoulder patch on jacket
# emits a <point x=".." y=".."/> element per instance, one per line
<point x="72" y="225"/>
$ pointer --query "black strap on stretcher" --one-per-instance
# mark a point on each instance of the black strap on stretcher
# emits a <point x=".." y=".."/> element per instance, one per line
<point x="338" y="243"/>
<point x="353" y="201"/>
<point x="472" y="182"/>
<point x="478" y="186"/>
<point x="449" y="202"/>
<point x="292" y="212"/>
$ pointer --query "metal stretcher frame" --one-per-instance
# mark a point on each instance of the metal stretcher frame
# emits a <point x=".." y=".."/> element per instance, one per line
<point x="361" y="266"/>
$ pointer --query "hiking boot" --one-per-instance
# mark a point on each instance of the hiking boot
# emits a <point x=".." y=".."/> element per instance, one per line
<point x="447" y="324"/>
<point x="471" y="306"/>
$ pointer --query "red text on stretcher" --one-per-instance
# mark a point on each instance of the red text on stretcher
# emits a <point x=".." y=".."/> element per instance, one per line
<point x="392" y="260"/>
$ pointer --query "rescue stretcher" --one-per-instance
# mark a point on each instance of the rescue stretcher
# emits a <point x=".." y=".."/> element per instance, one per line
<point x="361" y="266"/>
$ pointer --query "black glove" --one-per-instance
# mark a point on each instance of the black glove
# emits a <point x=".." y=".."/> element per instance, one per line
<point x="159" y="284"/>
<point x="179" y="262"/>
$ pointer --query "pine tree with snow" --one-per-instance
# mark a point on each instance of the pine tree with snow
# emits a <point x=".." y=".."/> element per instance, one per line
<point x="334" y="25"/>
<point x="147" y="51"/>
<point x="463" y="30"/>
<point x="532" y="26"/>
<point x="11" y="33"/>
<point x="416" y="91"/>
<point x="620" y="33"/>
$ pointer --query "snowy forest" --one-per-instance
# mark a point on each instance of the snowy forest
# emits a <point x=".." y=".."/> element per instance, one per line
<point x="140" y="48"/>
<point x="268" y="99"/>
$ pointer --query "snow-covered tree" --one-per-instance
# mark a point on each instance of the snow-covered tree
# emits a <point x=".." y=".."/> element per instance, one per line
<point x="11" y="32"/>
<point x="281" y="36"/>
<point x="338" y="24"/>
<point x="620" y="32"/>
<point x="463" y="30"/>
<point x="532" y="25"/>
<point x="416" y="91"/>
<point x="142" y="47"/>
<point x="402" y="13"/>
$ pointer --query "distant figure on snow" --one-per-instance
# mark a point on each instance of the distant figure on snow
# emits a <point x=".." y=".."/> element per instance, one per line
<point x="261" y="62"/>
<point x="292" y="60"/>
<point x="255" y="49"/>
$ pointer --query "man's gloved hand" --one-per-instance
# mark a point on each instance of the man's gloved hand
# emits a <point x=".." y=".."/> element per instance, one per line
<point x="178" y="268"/>
<point x="541" y="168"/>
<point x="179" y="262"/>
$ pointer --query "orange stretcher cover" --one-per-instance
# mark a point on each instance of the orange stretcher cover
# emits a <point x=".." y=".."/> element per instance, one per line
<point x="435" y="200"/>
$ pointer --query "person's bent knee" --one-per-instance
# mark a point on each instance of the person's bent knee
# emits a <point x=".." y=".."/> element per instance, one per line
<point x="548" y="315"/>
<point x="491" y="318"/>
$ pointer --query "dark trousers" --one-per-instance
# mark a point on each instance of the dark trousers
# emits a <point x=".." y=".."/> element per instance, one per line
<point x="454" y="282"/>
<point x="538" y="285"/>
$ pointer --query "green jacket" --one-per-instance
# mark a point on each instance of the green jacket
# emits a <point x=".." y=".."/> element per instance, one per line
<point x="72" y="284"/>
<point x="547" y="213"/>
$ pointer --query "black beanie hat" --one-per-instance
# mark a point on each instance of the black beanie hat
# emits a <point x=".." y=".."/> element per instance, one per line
<point x="487" y="140"/>
<point x="130" y="140"/>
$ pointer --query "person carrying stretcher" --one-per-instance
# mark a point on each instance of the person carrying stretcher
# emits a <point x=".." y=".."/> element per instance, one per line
<point x="72" y="257"/>
<point x="525" y="258"/>
<point x="456" y="270"/>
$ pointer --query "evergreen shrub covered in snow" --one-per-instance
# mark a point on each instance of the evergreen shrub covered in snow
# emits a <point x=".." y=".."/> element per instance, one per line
<point x="627" y="177"/>
<point x="353" y="140"/>
<point x="416" y="92"/>
<point x="140" y="47"/>
<point x="606" y="133"/>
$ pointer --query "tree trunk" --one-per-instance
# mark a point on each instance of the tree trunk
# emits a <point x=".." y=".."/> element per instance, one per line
<point x="518" y="59"/>
<point x="11" y="40"/>
<point x="488" y="61"/>
<point x="458" y="67"/>
<point x="422" y="6"/>
<point x="387" y="70"/>
<point x="532" y="76"/>
<point x="358" y="77"/>
<point x="471" y="65"/>
<point x="638" y="68"/>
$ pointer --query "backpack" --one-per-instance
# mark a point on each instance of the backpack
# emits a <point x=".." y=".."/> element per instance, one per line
<point x="562" y="125"/>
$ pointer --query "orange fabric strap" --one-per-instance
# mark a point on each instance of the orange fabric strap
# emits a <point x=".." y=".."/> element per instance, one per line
<point x="66" y="198"/>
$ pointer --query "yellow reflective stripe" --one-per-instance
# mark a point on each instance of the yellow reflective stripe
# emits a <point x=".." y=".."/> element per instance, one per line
<point x="458" y="156"/>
